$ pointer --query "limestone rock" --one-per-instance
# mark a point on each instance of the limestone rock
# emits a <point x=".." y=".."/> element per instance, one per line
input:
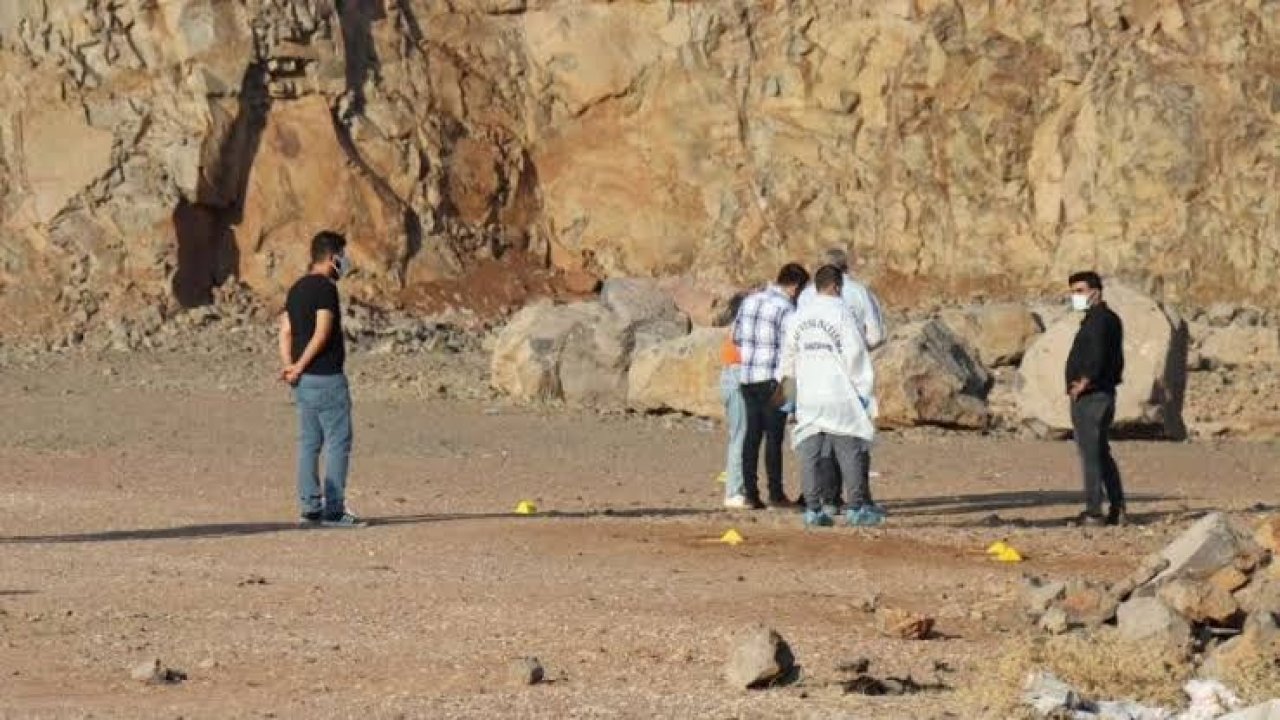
<point x="759" y="658"/>
<point x="578" y="352"/>
<point x="681" y="374"/>
<point x="1149" y="620"/>
<point x="1235" y="345"/>
<point x="525" y="671"/>
<point x="1210" y="544"/>
<point x="998" y="333"/>
<point x="637" y="300"/>
<point x="1154" y="374"/>
<point x="1268" y="534"/>
<point x="903" y="624"/>
<point x="1259" y="641"/>
<point x="1200" y="601"/>
<point x="925" y="375"/>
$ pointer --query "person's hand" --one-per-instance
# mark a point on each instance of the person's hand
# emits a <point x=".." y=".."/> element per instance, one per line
<point x="1077" y="388"/>
<point x="291" y="374"/>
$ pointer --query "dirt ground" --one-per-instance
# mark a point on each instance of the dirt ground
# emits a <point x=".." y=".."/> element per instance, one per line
<point x="149" y="512"/>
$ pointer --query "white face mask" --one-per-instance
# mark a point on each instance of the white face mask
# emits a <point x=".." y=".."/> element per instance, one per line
<point x="1079" y="302"/>
<point x="341" y="266"/>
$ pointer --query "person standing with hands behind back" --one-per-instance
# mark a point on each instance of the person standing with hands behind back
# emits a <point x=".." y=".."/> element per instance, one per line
<point x="1095" y="368"/>
<point x="313" y="353"/>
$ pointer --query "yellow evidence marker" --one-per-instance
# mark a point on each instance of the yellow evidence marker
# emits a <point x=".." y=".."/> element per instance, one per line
<point x="732" y="537"/>
<point x="526" y="507"/>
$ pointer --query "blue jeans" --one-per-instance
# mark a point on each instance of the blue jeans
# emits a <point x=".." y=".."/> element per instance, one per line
<point x="735" y="412"/>
<point x="324" y="421"/>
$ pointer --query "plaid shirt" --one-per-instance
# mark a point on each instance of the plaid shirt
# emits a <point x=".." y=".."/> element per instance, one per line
<point x="758" y="332"/>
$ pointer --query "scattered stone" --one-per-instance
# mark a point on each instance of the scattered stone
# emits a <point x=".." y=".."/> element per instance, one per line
<point x="1268" y="534"/>
<point x="153" y="672"/>
<point x="1262" y="594"/>
<point x="1205" y="547"/>
<point x="1047" y="695"/>
<point x="1054" y="621"/>
<point x="1200" y="601"/>
<point x="903" y="624"/>
<point x="526" y="671"/>
<point x="1150" y="567"/>
<point x="252" y="580"/>
<point x="1148" y="619"/>
<point x="868" y="603"/>
<point x="1087" y="604"/>
<point x="1040" y="594"/>
<point x="1229" y="579"/>
<point x="1260" y="638"/>
<point x="760" y="658"/>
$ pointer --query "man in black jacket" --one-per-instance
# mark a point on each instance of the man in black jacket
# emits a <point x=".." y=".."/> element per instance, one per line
<point x="1095" y="368"/>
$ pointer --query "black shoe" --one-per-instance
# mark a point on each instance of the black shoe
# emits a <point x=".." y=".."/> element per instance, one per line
<point x="781" y="502"/>
<point x="310" y="518"/>
<point x="754" y="503"/>
<point x="1117" y="517"/>
<point x="1087" y="519"/>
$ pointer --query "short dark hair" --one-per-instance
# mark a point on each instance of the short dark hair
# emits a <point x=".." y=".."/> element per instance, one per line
<point x="326" y="244"/>
<point x="1088" y="277"/>
<point x="793" y="274"/>
<point x="829" y="276"/>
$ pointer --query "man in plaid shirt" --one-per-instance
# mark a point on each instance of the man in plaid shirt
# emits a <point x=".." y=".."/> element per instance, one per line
<point x="758" y="332"/>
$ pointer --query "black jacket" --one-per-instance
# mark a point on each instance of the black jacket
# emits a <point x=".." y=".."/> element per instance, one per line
<point x="1098" y="350"/>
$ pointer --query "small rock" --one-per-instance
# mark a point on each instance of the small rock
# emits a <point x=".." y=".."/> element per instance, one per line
<point x="869" y="603"/>
<point x="526" y="671"/>
<point x="1054" y="621"/>
<point x="1268" y="534"/>
<point x="155" y="673"/>
<point x="895" y="623"/>
<point x="1148" y="619"/>
<point x="1200" y="602"/>
<point x="760" y="658"/>
<point x="1049" y="696"/>
<point x="1229" y="579"/>
<point x="1040" y="595"/>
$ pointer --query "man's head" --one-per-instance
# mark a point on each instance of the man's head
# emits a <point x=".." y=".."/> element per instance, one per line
<point x="1086" y="290"/>
<point x="835" y="256"/>
<point x="792" y="278"/>
<point x="328" y="254"/>
<point x="829" y="280"/>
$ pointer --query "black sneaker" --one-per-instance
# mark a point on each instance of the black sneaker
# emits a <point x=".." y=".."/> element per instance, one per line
<point x="310" y="518"/>
<point x="1087" y="519"/>
<point x="781" y="502"/>
<point x="345" y="520"/>
<point x="1117" y="517"/>
<point x="755" y="503"/>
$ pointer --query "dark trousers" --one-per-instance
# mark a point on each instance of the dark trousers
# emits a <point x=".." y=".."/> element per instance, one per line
<point x="1091" y="417"/>
<point x="829" y="463"/>
<point x="766" y="424"/>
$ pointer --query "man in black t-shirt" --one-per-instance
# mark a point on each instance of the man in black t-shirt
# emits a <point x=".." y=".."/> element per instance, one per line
<point x="1095" y="367"/>
<point x="313" y="353"/>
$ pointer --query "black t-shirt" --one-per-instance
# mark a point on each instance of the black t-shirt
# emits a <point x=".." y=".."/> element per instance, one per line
<point x="307" y="297"/>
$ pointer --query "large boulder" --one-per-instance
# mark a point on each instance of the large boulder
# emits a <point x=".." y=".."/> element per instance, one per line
<point x="1238" y="345"/>
<point x="681" y="374"/>
<point x="999" y="334"/>
<point x="577" y="353"/>
<point x="1149" y="620"/>
<point x="648" y="311"/>
<point x="1155" y="350"/>
<point x="926" y="375"/>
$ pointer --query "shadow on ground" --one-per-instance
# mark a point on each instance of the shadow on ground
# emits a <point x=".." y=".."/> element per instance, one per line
<point x="222" y="530"/>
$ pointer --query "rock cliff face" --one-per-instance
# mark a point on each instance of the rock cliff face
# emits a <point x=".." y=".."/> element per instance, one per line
<point x="150" y="150"/>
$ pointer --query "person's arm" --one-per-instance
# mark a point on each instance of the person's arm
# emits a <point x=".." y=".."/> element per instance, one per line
<point x="787" y="362"/>
<point x="873" y="328"/>
<point x="1092" y="357"/>
<point x="858" y="364"/>
<point x="324" y="329"/>
<point x="286" y="342"/>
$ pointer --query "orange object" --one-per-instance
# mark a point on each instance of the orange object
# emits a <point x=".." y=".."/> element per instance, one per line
<point x="729" y="354"/>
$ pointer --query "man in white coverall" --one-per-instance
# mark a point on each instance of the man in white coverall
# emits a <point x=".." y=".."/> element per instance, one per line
<point x="825" y="353"/>
<point x="870" y="321"/>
